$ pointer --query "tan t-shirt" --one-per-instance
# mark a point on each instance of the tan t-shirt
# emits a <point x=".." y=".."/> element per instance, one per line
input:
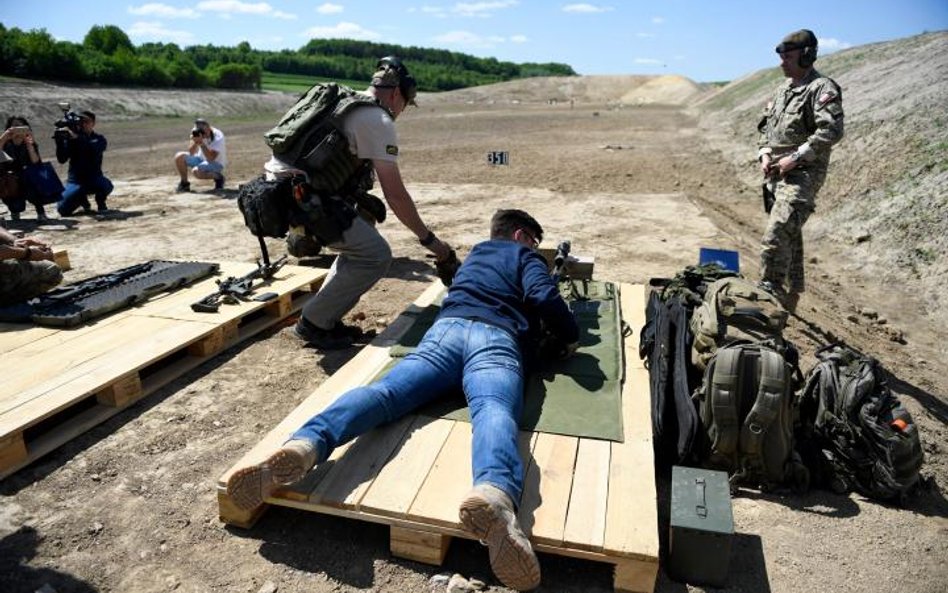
<point x="371" y="134"/>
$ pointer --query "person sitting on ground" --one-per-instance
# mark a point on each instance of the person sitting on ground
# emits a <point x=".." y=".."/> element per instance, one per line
<point x="475" y="344"/>
<point x="206" y="156"/>
<point x="26" y="268"/>
<point x="83" y="150"/>
<point x="18" y="143"/>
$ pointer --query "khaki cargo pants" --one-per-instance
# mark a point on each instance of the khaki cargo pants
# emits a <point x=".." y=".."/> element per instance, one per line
<point x="781" y="249"/>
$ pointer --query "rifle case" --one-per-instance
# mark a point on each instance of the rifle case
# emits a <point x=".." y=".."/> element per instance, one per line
<point x="701" y="526"/>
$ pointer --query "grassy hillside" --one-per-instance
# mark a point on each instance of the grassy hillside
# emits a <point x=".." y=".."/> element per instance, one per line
<point x="885" y="200"/>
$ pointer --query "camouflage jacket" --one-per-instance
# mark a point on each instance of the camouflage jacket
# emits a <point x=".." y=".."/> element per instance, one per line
<point x="807" y="118"/>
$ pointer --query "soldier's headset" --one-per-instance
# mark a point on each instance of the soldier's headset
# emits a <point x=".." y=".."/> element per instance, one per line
<point x="807" y="56"/>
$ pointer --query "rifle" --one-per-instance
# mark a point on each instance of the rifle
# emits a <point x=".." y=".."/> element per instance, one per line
<point x="559" y="260"/>
<point x="232" y="290"/>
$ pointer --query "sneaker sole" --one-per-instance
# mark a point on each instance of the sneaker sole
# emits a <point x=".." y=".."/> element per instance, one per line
<point x="248" y="487"/>
<point x="515" y="566"/>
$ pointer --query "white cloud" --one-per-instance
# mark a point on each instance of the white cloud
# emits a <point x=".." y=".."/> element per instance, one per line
<point x="650" y="61"/>
<point x="156" y="9"/>
<point x="586" y="8"/>
<point x="235" y="7"/>
<point x="342" y="31"/>
<point x="329" y="8"/>
<point x="481" y="9"/>
<point x="658" y="20"/>
<point x="152" y="31"/>
<point x="830" y="44"/>
<point x="229" y="8"/>
<point x="473" y="40"/>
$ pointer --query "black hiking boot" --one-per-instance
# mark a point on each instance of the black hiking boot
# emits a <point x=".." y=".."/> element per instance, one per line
<point x="219" y="183"/>
<point x="319" y="338"/>
<point x="183" y="187"/>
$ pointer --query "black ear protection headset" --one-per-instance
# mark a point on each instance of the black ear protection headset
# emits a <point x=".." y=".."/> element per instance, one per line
<point x="406" y="82"/>
<point x="807" y="56"/>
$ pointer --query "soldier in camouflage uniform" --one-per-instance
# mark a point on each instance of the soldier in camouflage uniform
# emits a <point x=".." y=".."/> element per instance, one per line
<point x="26" y="268"/>
<point x="801" y="123"/>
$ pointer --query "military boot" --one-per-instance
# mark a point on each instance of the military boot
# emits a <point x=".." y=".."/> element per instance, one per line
<point x="249" y="486"/>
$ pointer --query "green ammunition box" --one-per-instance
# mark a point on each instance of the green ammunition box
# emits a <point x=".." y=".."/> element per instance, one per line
<point x="701" y="526"/>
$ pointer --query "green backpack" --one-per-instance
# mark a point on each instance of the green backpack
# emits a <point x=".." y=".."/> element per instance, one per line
<point x="735" y="311"/>
<point x="747" y="406"/>
<point x="860" y="435"/>
<point x="309" y="137"/>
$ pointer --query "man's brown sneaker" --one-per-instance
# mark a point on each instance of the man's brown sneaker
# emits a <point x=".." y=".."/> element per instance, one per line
<point x="488" y="513"/>
<point x="249" y="486"/>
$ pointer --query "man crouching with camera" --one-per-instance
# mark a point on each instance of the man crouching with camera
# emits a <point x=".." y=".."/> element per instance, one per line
<point x="206" y="156"/>
<point x="79" y="144"/>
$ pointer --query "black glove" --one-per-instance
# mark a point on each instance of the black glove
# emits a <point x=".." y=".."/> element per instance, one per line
<point x="447" y="268"/>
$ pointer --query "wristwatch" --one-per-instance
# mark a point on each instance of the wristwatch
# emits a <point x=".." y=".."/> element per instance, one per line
<point x="795" y="156"/>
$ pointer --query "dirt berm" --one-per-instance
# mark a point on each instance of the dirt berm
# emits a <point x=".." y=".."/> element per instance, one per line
<point x="638" y="172"/>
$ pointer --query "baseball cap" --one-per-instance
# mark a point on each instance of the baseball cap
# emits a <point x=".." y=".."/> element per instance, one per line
<point x="199" y="121"/>
<point x="390" y="73"/>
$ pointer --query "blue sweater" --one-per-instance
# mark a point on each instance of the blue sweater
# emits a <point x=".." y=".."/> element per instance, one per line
<point x="508" y="285"/>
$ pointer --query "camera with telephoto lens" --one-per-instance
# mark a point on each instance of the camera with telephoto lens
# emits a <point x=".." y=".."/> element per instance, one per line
<point x="195" y="132"/>
<point x="70" y="120"/>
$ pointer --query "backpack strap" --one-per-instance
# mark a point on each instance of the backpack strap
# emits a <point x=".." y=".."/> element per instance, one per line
<point x="724" y="401"/>
<point x="773" y="382"/>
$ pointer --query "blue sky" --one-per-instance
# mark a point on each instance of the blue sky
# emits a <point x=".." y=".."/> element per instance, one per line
<point x="709" y="40"/>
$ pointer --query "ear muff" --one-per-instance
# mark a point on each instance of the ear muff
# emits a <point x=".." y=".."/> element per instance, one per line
<point x="807" y="56"/>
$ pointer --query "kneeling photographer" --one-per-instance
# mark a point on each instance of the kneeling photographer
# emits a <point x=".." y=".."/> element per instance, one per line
<point x="206" y="156"/>
<point x="78" y="143"/>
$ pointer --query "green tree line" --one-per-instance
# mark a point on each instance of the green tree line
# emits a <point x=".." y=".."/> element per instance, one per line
<point x="107" y="56"/>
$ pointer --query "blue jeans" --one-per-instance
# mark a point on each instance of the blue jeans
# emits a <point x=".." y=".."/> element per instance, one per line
<point x="75" y="195"/>
<point x="481" y="358"/>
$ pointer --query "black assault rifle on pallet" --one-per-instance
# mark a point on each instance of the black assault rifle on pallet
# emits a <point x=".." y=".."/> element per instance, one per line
<point x="232" y="290"/>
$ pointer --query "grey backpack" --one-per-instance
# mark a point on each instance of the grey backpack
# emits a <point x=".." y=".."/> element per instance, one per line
<point x="746" y="403"/>
<point x="860" y="435"/>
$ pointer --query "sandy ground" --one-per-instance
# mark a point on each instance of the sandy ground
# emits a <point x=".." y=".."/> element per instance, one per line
<point x="131" y="507"/>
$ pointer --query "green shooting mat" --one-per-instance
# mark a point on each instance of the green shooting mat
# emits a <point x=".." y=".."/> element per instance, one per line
<point x="580" y="396"/>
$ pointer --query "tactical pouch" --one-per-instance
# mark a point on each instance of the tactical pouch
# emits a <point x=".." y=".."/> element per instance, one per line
<point x="370" y="207"/>
<point x="266" y="206"/>
<point x="317" y="157"/>
<point x="324" y="217"/>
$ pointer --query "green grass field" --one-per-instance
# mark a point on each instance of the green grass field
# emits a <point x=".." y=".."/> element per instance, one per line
<point x="300" y="83"/>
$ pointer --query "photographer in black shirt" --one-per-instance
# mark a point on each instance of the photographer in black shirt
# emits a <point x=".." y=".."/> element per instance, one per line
<point x="83" y="148"/>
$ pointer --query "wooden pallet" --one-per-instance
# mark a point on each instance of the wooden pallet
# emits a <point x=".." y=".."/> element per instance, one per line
<point x="58" y="383"/>
<point x="583" y="498"/>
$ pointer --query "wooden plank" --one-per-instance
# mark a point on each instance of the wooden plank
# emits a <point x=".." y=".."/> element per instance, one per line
<point x="632" y="299"/>
<point x="635" y="576"/>
<point x="448" y="481"/>
<point x="420" y="546"/>
<point x="586" y="518"/>
<point x="350" y="477"/>
<point x="12" y="450"/>
<point x="61" y="259"/>
<point x="396" y="486"/>
<point x="122" y="392"/>
<point x="547" y="487"/>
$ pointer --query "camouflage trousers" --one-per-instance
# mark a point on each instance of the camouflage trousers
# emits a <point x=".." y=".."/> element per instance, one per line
<point x="781" y="249"/>
<point x="23" y="280"/>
